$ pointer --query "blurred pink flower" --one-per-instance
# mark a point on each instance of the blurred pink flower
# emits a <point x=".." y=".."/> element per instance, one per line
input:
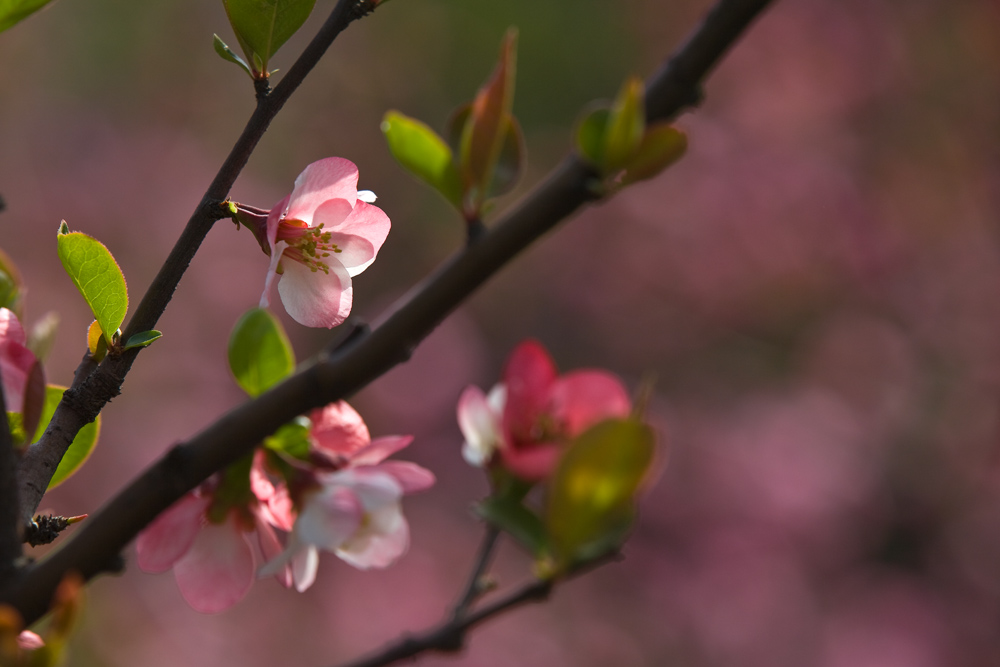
<point x="18" y="365"/>
<point x="213" y="562"/>
<point x="352" y="507"/>
<point x="529" y="417"/>
<point x="331" y="233"/>
<point x="29" y="641"/>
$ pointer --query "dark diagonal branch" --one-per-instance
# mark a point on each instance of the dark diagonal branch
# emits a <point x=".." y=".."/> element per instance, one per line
<point x="338" y="374"/>
<point x="90" y="392"/>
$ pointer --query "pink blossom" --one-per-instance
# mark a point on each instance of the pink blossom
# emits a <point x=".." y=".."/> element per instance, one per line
<point x="213" y="562"/>
<point x="20" y="369"/>
<point x="352" y="507"/>
<point x="534" y="412"/>
<point x="331" y="233"/>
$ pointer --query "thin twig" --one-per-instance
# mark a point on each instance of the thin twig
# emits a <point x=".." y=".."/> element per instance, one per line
<point x="339" y="374"/>
<point x="476" y="585"/>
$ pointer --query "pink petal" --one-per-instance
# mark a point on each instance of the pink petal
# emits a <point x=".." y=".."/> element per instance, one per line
<point x="532" y="464"/>
<point x="218" y="569"/>
<point x="273" y="219"/>
<point x="360" y="236"/>
<point x="10" y="327"/>
<point x="377" y="550"/>
<point x="272" y="272"/>
<point x="279" y="509"/>
<point x="380" y="449"/>
<point x="29" y="641"/>
<point x="331" y="178"/>
<point x="332" y="214"/>
<point x="528" y="376"/>
<point x="171" y="534"/>
<point x="16" y="365"/>
<point x="339" y="429"/>
<point x="329" y="517"/>
<point x="271" y="548"/>
<point x="582" y="398"/>
<point x="315" y="298"/>
<point x="410" y="476"/>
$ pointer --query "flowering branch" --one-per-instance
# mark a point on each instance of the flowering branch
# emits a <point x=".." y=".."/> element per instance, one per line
<point x="91" y="391"/>
<point x="339" y="373"/>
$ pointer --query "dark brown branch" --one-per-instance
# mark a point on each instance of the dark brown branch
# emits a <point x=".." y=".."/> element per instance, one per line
<point x="449" y="636"/>
<point x="341" y="373"/>
<point x="90" y="393"/>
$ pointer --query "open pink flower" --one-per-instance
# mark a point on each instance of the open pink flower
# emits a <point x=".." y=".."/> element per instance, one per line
<point x="319" y="237"/>
<point x="352" y="507"/>
<point x="213" y="563"/>
<point x="534" y="412"/>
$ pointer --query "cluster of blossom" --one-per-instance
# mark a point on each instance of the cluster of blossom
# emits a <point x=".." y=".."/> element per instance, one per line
<point x="339" y="495"/>
<point x="526" y="421"/>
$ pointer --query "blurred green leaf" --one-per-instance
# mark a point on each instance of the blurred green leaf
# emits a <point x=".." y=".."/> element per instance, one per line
<point x="142" y="339"/>
<point x="15" y="11"/>
<point x="661" y="146"/>
<point x="626" y="126"/>
<point x="11" y="284"/>
<point x="592" y="492"/>
<point x="96" y="274"/>
<point x="421" y="151"/>
<point x="81" y="447"/>
<point x="227" y="54"/>
<point x="262" y="26"/>
<point x="260" y="354"/>
<point x="516" y="520"/>
<point x="590" y="136"/>
<point x="292" y="439"/>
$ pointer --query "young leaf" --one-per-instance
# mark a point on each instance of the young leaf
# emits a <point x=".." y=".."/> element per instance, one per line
<point x="626" y="125"/>
<point x="96" y="274"/>
<point x="10" y="283"/>
<point x="661" y="147"/>
<point x="516" y="520"/>
<point x="260" y="355"/>
<point x="484" y="131"/>
<point x="227" y="54"/>
<point x="15" y="11"/>
<point x="590" y="136"/>
<point x="142" y="339"/>
<point x="95" y="342"/>
<point x="591" y="494"/>
<point x="421" y="151"/>
<point x="262" y="26"/>
<point x="81" y="447"/>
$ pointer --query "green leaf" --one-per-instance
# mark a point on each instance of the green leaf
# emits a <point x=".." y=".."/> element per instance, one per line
<point x="260" y="355"/>
<point x="292" y="439"/>
<point x="15" y="11"/>
<point x="142" y="339"/>
<point x="96" y="274"/>
<point x="516" y="520"/>
<point x="626" y="126"/>
<point x="81" y="447"/>
<point x="661" y="147"/>
<point x="590" y="136"/>
<point x="421" y="151"/>
<point x="591" y="494"/>
<point x="227" y="54"/>
<point x="484" y="132"/>
<point x="11" y="285"/>
<point x="262" y="26"/>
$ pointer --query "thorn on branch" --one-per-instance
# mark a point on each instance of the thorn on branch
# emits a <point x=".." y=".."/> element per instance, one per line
<point x="45" y="528"/>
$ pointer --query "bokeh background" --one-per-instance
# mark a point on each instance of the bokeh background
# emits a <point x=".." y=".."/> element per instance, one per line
<point x="816" y="287"/>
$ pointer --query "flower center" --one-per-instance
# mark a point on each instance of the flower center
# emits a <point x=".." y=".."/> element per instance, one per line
<point x="307" y="245"/>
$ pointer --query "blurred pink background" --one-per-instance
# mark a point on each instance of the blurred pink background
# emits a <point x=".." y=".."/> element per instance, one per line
<point x="816" y="286"/>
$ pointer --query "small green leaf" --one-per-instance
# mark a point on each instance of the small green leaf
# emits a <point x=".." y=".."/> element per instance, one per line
<point x="484" y="132"/>
<point x="421" y="151"/>
<point x="590" y="136"/>
<point x="227" y="54"/>
<point x="626" y="126"/>
<point x="592" y="492"/>
<point x="516" y="520"/>
<point x="81" y="447"/>
<point x="15" y="11"/>
<point x="292" y="439"/>
<point x="260" y="355"/>
<point x="661" y="147"/>
<point x="262" y="26"/>
<point x="96" y="274"/>
<point x="142" y="339"/>
<point x="11" y="285"/>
